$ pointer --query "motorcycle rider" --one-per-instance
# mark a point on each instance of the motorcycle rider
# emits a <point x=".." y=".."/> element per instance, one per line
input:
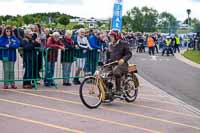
<point x="118" y="51"/>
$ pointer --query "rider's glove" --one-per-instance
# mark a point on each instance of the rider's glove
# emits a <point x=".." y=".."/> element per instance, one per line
<point x="121" y="61"/>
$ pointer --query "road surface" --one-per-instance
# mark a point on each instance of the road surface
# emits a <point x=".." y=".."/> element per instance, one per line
<point x="173" y="76"/>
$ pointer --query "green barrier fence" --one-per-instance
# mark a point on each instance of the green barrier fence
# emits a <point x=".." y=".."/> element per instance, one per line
<point x="23" y="65"/>
<point x="47" y="65"/>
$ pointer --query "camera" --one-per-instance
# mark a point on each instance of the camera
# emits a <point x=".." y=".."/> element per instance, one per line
<point x="34" y="36"/>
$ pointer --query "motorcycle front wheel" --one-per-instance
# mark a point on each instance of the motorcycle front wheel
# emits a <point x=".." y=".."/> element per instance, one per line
<point x="90" y="93"/>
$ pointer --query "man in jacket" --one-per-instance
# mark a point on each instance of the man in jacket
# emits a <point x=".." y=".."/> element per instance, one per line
<point x="177" y="43"/>
<point x="92" y="59"/>
<point x="119" y="51"/>
<point x="53" y="44"/>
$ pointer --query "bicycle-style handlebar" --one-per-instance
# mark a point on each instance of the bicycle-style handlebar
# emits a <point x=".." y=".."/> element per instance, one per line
<point x="112" y="63"/>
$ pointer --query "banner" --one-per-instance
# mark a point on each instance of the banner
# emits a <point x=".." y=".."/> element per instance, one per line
<point x="117" y="15"/>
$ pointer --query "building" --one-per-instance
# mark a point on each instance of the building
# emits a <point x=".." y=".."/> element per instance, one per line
<point x="183" y="26"/>
<point x="92" y="22"/>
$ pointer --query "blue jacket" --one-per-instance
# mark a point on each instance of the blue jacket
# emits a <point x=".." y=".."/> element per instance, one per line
<point x="8" y="54"/>
<point x="94" y="42"/>
<point x="103" y="45"/>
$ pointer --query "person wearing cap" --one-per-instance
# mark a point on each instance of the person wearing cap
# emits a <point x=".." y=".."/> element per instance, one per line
<point x="82" y="46"/>
<point x="53" y="44"/>
<point x="118" y="51"/>
<point x="30" y="59"/>
<point x="8" y="44"/>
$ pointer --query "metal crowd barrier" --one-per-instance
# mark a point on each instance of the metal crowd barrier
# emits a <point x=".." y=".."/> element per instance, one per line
<point x="49" y="65"/>
<point x="27" y="67"/>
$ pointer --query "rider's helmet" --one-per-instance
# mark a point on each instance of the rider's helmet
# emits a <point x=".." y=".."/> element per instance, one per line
<point x="115" y="34"/>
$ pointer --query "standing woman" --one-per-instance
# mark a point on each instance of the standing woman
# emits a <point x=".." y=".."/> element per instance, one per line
<point x="67" y="57"/>
<point x="41" y="35"/>
<point x="9" y="43"/>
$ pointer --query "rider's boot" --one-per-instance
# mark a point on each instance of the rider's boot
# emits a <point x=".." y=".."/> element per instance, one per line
<point x="118" y="87"/>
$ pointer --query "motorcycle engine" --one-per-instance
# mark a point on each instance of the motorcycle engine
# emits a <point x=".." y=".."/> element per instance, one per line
<point x="109" y="85"/>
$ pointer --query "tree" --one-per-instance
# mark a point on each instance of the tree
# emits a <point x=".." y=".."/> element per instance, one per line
<point x="196" y="25"/>
<point x="28" y="19"/>
<point x="99" y="23"/>
<point x="150" y="19"/>
<point x="42" y="18"/>
<point x="167" y="23"/>
<point x="7" y="17"/>
<point x="194" y="21"/>
<point x="64" y="20"/>
<point x="78" y="26"/>
<point x="126" y="23"/>
<point x="143" y="20"/>
<point x="187" y="21"/>
<point x="38" y="19"/>
<point x="1" y="20"/>
<point x="20" y="21"/>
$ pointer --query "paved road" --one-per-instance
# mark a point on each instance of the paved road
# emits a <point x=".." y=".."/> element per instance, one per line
<point x="59" y="111"/>
<point x="173" y="76"/>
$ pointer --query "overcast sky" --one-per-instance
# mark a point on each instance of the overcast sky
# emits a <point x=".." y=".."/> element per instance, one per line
<point x="96" y="8"/>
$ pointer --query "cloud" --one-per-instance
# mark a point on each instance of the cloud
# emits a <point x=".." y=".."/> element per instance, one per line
<point x="70" y="2"/>
<point x="195" y="0"/>
<point x="6" y="0"/>
<point x="97" y="8"/>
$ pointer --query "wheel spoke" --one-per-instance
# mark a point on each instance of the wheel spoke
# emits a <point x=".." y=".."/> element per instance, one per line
<point x="90" y="93"/>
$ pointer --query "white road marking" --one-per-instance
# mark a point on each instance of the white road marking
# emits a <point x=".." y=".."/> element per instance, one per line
<point x="154" y="58"/>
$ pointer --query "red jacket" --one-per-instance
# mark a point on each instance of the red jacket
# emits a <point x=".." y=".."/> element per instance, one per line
<point x="53" y="49"/>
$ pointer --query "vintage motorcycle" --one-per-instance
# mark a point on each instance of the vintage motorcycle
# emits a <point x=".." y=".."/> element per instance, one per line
<point x="100" y="88"/>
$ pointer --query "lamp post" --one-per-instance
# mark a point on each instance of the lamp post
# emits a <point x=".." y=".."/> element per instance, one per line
<point x="188" y="12"/>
